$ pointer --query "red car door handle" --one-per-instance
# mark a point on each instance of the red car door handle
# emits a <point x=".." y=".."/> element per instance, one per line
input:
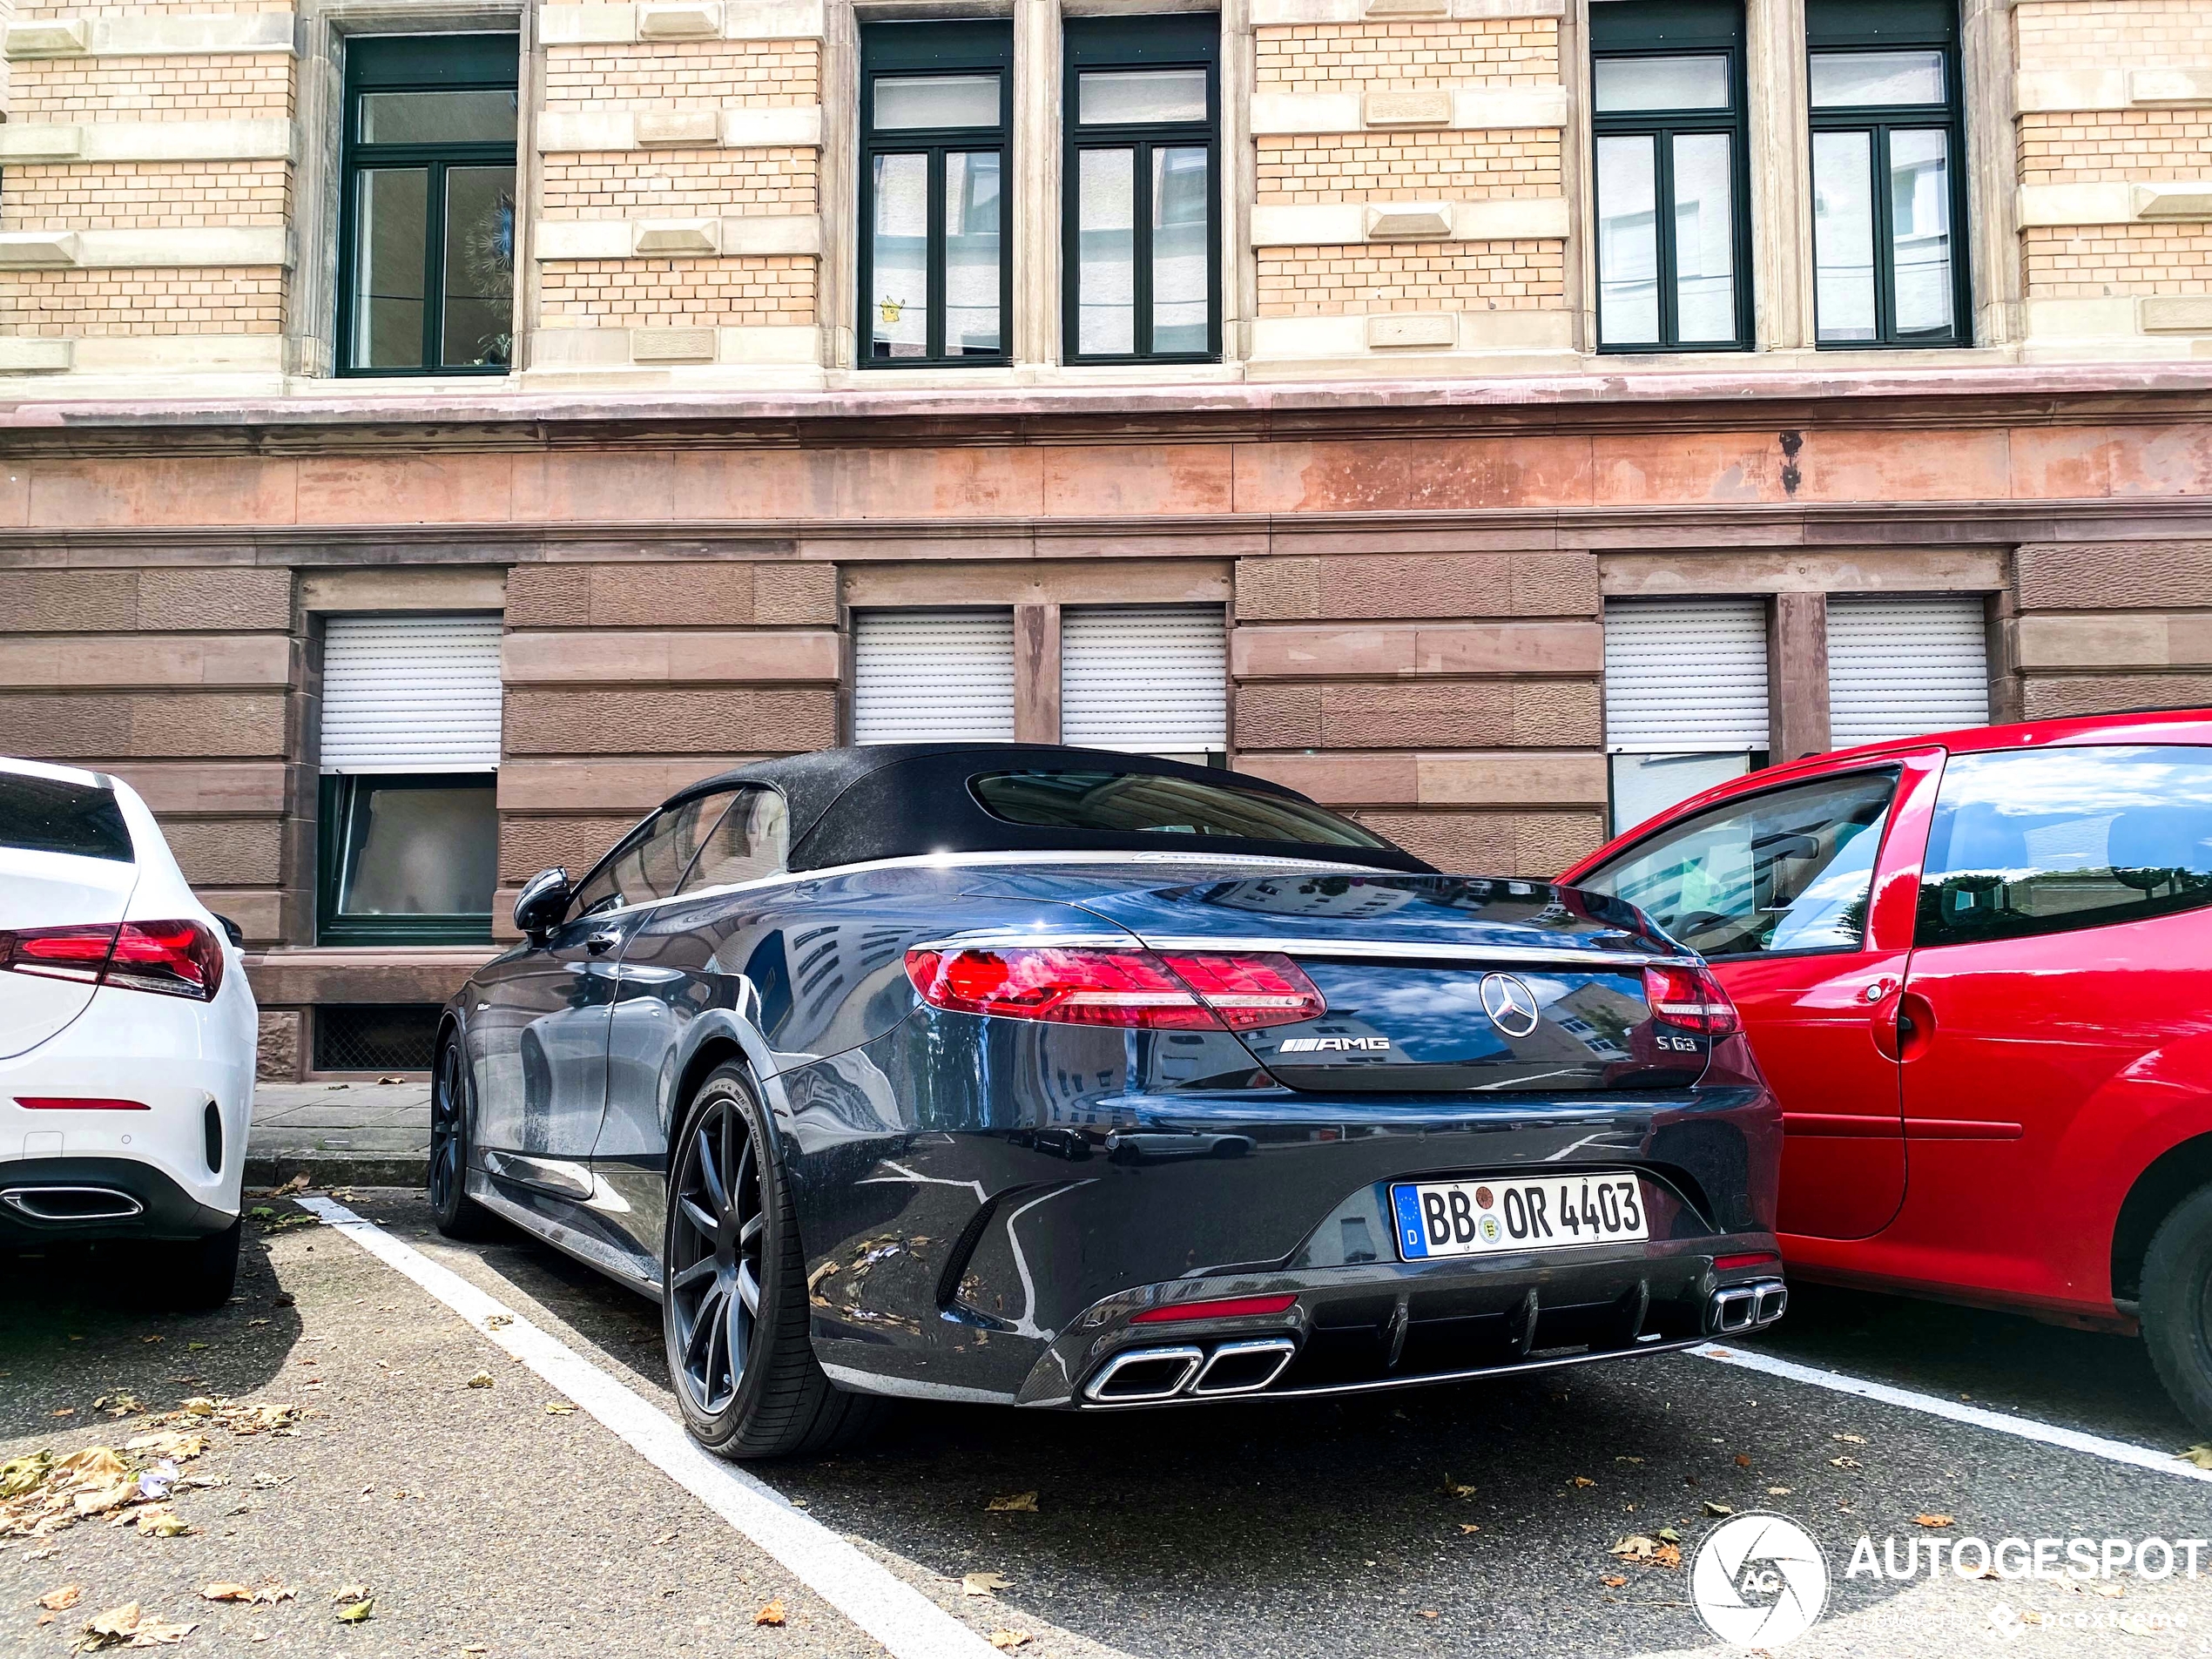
<point x="1915" y="1026"/>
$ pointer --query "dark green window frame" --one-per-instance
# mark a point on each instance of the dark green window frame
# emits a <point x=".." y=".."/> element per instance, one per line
<point x="1188" y="42"/>
<point x="402" y="63"/>
<point x="1653" y="29"/>
<point x="902" y="49"/>
<point x="1897" y="25"/>
<point x="340" y="796"/>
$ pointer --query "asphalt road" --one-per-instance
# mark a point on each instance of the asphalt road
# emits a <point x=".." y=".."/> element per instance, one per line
<point x="1465" y="1520"/>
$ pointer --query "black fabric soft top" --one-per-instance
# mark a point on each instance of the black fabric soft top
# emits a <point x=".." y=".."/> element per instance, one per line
<point x="906" y="799"/>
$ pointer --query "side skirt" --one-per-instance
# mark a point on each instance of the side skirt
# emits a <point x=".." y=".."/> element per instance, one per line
<point x="623" y="1268"/>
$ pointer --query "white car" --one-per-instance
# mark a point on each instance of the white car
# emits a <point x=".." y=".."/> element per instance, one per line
<point x="127" y="1035"/>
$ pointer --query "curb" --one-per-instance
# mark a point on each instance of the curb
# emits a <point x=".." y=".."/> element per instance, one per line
<point x="265" y="1170"/>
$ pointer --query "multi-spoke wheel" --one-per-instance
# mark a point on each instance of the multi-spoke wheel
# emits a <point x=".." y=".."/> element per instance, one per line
<point x="458" y="1216"/>
<point x="734" y="1278"/>
<point x="714" y="1237"/>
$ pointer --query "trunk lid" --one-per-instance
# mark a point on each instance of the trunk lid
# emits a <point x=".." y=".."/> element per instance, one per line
<point x="1437" y="984"/>
<point x="65" y="861"/>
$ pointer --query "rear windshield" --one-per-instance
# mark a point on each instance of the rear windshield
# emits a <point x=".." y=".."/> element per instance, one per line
<point x="1151" y="804"/>
<point x="53" y="815"/>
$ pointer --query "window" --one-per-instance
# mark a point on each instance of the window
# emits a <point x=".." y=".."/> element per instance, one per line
<point x="2042" y="840"/>
<point x="47" y="810"/>
<point x="1149" y="803"/>
<point x="649" y="863"/>
<point x="409" y="841"/>
<point x="1685" y="699"/>
<point x="930" y="676"/>
<point x="750" y="841"/>
<point x="1787" y="871"/>
<point x="1899" y="664"/>
<point x="937" y="107"/>
<point x="1141" y="261"/>
<point x="1674" y="228"/>
<point x="1888" y="185"/>
<point x="426" y="250"/>
<point x="1152" y="679"/>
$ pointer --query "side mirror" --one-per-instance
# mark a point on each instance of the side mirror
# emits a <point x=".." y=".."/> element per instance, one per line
<point x="541" y="903"/>
<point x="232" y="931"/>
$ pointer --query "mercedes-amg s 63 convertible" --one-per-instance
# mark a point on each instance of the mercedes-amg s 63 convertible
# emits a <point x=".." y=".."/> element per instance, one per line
<point x="1055" y="1078"/>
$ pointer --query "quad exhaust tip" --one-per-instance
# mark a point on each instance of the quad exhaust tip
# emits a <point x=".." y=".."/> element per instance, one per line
<point x="72" y="1204"/>
<point x="1737" y="1308"/>
<point x="1141" y="1376"/>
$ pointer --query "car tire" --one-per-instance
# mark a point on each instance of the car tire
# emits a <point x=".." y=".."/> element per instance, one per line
<point x="746" y="1376"/>
<point x="452" y="1124"/>
<point x="198" y="1274"/>
<point x="2177" y="1306"/>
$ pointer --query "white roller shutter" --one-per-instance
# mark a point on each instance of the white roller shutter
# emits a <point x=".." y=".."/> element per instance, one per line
<point x="1147" y="678"/>
<point x="1683" y="676"/>
<point x="411" y="693"/>
<point x="1899" y="664"/>
<point x="933" y="675"/>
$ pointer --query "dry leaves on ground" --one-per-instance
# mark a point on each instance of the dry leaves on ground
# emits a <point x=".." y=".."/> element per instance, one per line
<point x="1933" y="1520"/>
<point x="1652" y="1552"/>
<point x="558" y="1408"/>
<point x="62" y="1599"/>
<point x="983" y="1583"/>
<point x="1845" y="1463"/>
<point x="1717" y="1509"/>
<point x="1008" y="1641"/>
<point x="129" y="1627"/>
<point x="2200" y="1454"/>
<point x="267" y="1595"/>
<point x="1582" y="1481"/>
<point x="1457" y="1490"/>
<point x="1019" y="1503"/>
<point x="354" y="1612"/>
<point x="1613" y="1581"/>
<point x="772" y="1613"/>
<point x="482" y="1379"/>
<point x="1849" y="1440"/>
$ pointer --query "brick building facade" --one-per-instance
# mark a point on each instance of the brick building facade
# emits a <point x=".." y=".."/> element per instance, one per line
<point x="1446" y="353"/>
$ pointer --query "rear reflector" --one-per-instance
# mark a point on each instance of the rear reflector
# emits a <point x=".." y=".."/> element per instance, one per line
<point x="1756" y="1258"/>
<point x="1227" y="1308"/>
<point x="1086" y="985"/>
<point x="79" y="1103"/>
<point x="173" y="958"/>
<point x="1689" y="996"/>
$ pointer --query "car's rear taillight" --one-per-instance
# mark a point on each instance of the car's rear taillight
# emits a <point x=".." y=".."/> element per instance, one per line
<point x="173" y="958"/>
<point x="1688" y="996"/>
<point x="1081" y="985"/>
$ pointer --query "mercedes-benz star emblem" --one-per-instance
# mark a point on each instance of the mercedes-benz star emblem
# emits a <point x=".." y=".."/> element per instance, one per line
<point x="1510" y="1004"/>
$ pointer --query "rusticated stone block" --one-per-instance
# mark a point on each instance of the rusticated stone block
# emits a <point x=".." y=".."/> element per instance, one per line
<point x="2055" y="698"/>
<point x="1555" y="585"/>
<point x="2072" y="576"/>
<point x="241" y="725"/>
<point x="66" y="728"/>
<point x="191" y="600"/>
<point x="1511" y="779"/>
<point x="664" y="596"/>
<point x="714" y="722"/>
<point x="1545" y="843"/>
<point x="1457" y="843"/>
<point x="277" y="1053"/>
<point x="1470" y="714"/>
<point x="39" y="602"/>
<point x="1267" y="590"/>
<point x="792" y="591"/>
<point x="1451" y="584"/>
<point x="227" y="852"/>
<point x="1278" y="716"/>
<point x="1557" y="714"/>
<point x="528" y="845"/>
<point x="549" y="596"/>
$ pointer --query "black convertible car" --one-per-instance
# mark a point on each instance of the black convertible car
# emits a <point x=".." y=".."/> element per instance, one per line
<point x="1055" y="1078"/>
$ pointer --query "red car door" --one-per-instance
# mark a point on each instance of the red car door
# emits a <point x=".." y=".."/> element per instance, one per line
<point x="2054" y="1026"/>
<point x="1801" y="897"/>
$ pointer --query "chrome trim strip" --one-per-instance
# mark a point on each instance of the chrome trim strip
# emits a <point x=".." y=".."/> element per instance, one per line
<point x="1382" y="1383"/>
<point x="868" y="1382"/>
<point x="1283" y="1348"/>
<point x="1191" y="1359"/>
<point x="1379" y="949"/>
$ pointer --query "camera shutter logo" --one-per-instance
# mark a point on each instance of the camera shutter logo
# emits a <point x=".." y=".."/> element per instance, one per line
<point x="1510" y="1004"/>
<point x="1759" y="1580"/>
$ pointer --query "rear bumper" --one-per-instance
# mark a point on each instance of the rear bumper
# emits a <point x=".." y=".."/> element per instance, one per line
<point x="45" y="1201"/>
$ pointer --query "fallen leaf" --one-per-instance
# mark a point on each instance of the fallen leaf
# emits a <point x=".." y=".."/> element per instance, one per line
<point x="1457" y="1490"/>
<point x="1669" y="1556"/>
<point x="1845" y="1463"/>
<point x="227" y="1592"/>
<point x="1933" y="1520"/>
<point x="1466" y="1527"/>
<point x="195" y="1347"/>
<point x="270" y="1594"/>
<point x="498" y="1321"/>
<point x="1669" y="1535"/>
<point x="558" y="1408"/>
<point x="298" y="1184"/>
<point x="355" y="1612"/>
<point x="665" y="1538"/>
<point x="1628" y="1460"/>
<point x="1584" y="1481"/>
<point x="772" y="1613"/>
<point x="2200" y="1454"/>
<point x="1613" y="1581"/>
<point x="66" y="1411"/>
<point x="62" y="1599"/>
<point x="1712" y="1508"/>
<point x="1428" y="1613"/>
<point x="1008" y="1641"/>
<point x="128" y="1626"/>
<point x="982" y="1583"/>
<point x="159" y="1521"/>
<point x="1020" y="1503"/>
<point x="1849" y="1440"/>
<point x="1777" y="1492"/>
<point x="350" y="1592"/>
<point x="1742" y="1462"/>
<point x="1636" y="1548"/>
<point x="482" y="1379"/>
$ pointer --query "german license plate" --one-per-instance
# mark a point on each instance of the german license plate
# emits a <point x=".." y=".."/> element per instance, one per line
<point x="1550" y="1213"/>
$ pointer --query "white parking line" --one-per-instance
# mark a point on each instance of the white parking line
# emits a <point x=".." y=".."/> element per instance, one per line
<point x="906" y="1621"/>
<point x="2141" y="1457"/>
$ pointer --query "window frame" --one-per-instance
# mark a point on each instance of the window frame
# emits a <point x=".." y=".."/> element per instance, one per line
<point x="336" y="795"/>
<point x="442" y="63"/>
<point x="1690" y="29"/>
<point x="1187" y="41"/>
<point x="900" y="48"/>
<point x="1879" y="26"/>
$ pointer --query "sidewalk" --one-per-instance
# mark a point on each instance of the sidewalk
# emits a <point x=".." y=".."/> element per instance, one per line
<point x="365" y="1134"/>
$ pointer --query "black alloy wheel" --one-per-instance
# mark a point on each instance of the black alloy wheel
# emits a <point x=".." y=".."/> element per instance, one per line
<point x="2176" y="1306"/>
<point x="458" y="1215"/>
<point x="735" y="1319"/>
<point x="716" y="1225"/>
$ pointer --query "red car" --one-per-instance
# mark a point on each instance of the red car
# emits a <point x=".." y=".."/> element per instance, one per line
<point x="1977" y="969"/>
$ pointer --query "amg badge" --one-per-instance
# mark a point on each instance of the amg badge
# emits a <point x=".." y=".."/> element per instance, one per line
<point x="1332" y="1045"/>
